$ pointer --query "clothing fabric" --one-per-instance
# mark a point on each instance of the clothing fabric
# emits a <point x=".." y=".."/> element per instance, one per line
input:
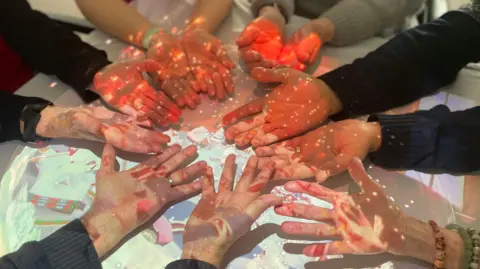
<point x="69" y="247"/>
<point x="49" y="47"/>
<point x="13" y="71"/>
<point x="354" y="20"/>
<point x="412" y="65"/>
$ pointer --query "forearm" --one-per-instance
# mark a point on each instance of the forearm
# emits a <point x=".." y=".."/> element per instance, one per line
<point x="286" y="7"/>
<point x="209" y="14"/>
<point x="420" y="244"/>
<point x="116" y="18"/>
<point x="412" y="65"/>
<point x="436" y="139"/>
<point x="354" y="20"/>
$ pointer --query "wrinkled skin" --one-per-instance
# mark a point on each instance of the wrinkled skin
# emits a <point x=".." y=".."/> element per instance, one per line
<point x="175" y="75"/>
<point x="125" y="200"/>
<point x="97" y="123"/>
<point x="221" y="217"/>
<point x="364" y="223"/>
<point x="209" y="63"/>
<point x="299" y="104"/>
<point x="122" y="86"/>
<point x="323" y="152"/>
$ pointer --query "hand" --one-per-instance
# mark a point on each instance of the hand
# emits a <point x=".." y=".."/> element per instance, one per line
<point x="222" y="217"/>
<point x="125" y="200"/>
<point x="323" y="152"/>
<point x="122" y="86"/>
<point x="95" y="122"/>
<point x="177" y="80"/>
<point x="299" y="104"/>
<point x="209" y="62"/>
<point x="366" y="222"/>
<point x="260" y="42"/>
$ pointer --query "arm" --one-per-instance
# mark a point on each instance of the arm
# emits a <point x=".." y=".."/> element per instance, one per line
<point x="412" y="65"/>
<point x="433" y="139"/>
<point x="116" y="18"/>
<point x="354" y="20"/>
<point x="69" y="247"/>
<point x="286" y="7"/>
<point x="208" y="14"/>
<point x="49" y="47"/>
<point x="190" y="264"/>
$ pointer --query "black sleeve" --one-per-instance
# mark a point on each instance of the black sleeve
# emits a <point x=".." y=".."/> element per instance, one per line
<point x="189" y="264"/>
<point x="47" y="46"/>
<point x="69" y="247"/>
<point x="11" y="107"/>
<point x="412" y="65"/>
<point x="436" y="139"/>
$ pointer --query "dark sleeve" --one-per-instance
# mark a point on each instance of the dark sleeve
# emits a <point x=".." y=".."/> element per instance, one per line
<point x="189" y="264"/>
<point x="436" y="139"/>
<point x="412" y="65"/>
<point x="11" y="107"/>
<point x="69" y="247"/>
<point x="49" y="47"/>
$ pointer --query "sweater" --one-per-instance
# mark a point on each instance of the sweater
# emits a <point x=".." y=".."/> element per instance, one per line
<point x="354" y="20"/>
<point x="414" y="64"/>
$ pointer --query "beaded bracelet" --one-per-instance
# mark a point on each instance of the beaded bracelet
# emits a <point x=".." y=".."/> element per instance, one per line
<point x="439" y="245"/>
<point x="467" y="241"/>
<point x="476" y="248"/>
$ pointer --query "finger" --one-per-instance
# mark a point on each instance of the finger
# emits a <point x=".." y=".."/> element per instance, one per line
<point x="244" y="126"/>
<point x="191" y="103"/>
<point x="358" y="173"/>
<point x="248" y="36"/>
<point x="188" y="173"/>
<point x="221" y="53"/>
<point x="323" y="249"/>
<point x="285" y="148"/>
<point x="147" y="65"/>
<point x="181" y="192"/>
<point x="132" y="112"/>
<point x="202" y="84"/>
<point x="333" y="167"/>
<point x="304" y="211"/>
<point x="262" y="178"/>
<point x="172" y="89"/>
<point x="108" y="161"/>
<point x="307" y="49"/>
<point x="251" y="56"/>
<point x="275" y="136"/>
<point x="271" y="75"/>
<point x="162" y="100"/>
<point x="251" y="108"/>
<point x="210" y="84"/>
<point x="217" y="79"/>
<point x="195" y="86"/>
<point x="228" y="175"/>
<point x="295" y="171"/>
<point x="245" y="139"/>
<point x="313" y="189"/>
<point x="311" y="229"/>
<point x="174" y="162"/>
<point x="157" y="160"/>
<point x="248" y="174"/>
<point x="208" y="187"/>
<point x="279" y="161"/>
<point x="262" y="203"/>
<point x="226" y="78"/>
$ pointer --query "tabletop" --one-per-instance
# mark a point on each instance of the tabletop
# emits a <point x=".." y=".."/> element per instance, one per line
<point x="424" y="196"/>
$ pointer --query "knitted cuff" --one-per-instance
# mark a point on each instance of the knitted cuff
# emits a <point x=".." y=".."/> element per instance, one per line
<point x="287" y="7"/>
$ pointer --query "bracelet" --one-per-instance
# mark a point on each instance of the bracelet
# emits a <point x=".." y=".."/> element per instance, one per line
<point x="467" y="241"/>
<point x="439" y="245"/>
<point x="147" y="36"/>
<point x="475" y="248"/>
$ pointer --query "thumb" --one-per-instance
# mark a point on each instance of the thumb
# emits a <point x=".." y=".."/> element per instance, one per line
<point x="108" y="161"/>
<point x="264" y="75"/>
<point x="148" y="65"/>
<point x="307" y="49"/>
<point x="248" y="36"/>
<point x="360" y="176"/>
<point x="262" y="203"/>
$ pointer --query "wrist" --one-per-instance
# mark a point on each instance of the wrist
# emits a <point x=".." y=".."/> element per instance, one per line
<point x="333" y="102"/>
<point x="374" y="132"/>
<point x="324" y="28"/>
<point x="47" y="118"/>
<point x="211" y="254"/>
<point x="420" y="244"/>
<point x="274" y="15"/>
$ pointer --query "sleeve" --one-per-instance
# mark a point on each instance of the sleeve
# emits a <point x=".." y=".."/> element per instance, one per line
<point x="412" y="65"/>
<point x="49" y="47"/>
<point x="11" y="107"/>
<point x="287" y="7"/>
<point x="69" y="247"/>
<point x="357" y="20"/>
<point x="435" y="139"/>
<point x="189" y="264"/>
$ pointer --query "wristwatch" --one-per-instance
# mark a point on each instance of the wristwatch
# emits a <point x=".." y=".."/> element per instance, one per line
<point x="30" y="117"/>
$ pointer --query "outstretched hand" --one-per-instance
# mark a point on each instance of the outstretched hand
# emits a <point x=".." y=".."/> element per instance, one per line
<point x="299" y="104"/>
<point x="125" y="200"/>
<point x="365" y="223"/>
<point x="323" y="152"/>
<point x="221" y="217"/>
<point x="97" y="123"/>
<point x="122" y="86"/>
